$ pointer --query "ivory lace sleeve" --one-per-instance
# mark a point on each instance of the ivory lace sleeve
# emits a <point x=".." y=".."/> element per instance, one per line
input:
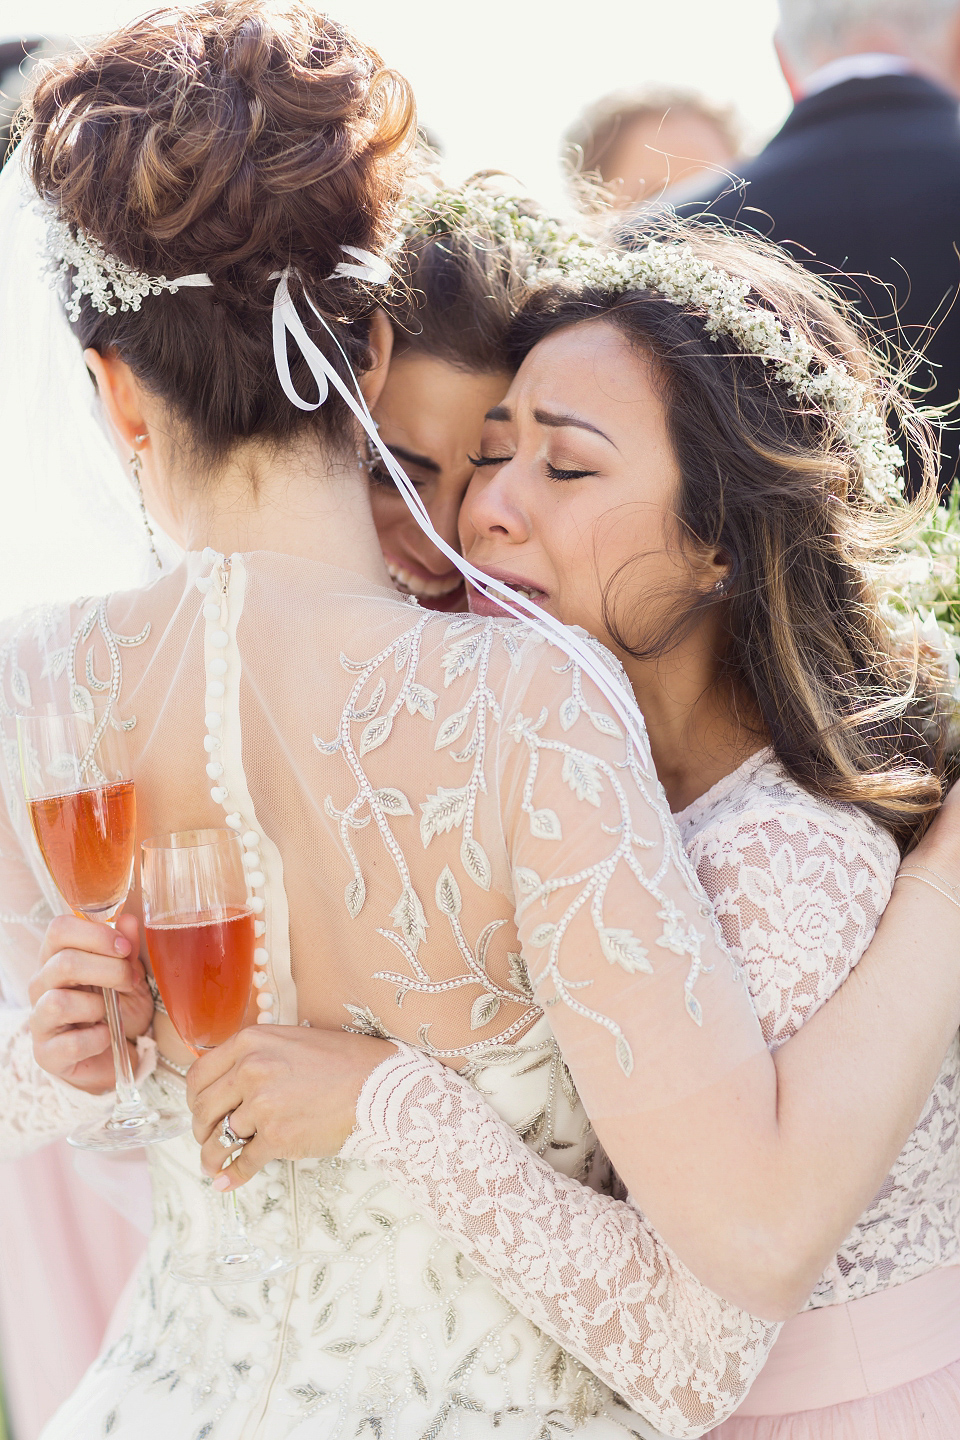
<point x="586" y="1268"/>
<point x="35" y="1108"/>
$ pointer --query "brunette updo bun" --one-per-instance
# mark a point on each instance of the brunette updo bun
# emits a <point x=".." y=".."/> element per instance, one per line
<point x="234" y="138"/>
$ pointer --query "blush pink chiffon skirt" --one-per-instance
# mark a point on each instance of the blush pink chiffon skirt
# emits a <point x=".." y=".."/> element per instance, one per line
<point x="65" y="1258"/>
<point x="886" y="1367"/>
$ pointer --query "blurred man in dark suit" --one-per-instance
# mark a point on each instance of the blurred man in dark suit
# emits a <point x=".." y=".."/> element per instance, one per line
<point x="864" y="177"/>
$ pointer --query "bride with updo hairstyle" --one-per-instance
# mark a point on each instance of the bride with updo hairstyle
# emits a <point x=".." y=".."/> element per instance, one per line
<point x="448" y="824"/>
<point x="224" y="140"/>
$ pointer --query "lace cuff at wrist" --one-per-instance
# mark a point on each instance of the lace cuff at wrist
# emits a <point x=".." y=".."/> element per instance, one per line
<point x="381" y="1100"/>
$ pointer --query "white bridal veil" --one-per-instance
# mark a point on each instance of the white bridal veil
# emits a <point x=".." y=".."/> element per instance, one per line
<point x="69" y="520"/>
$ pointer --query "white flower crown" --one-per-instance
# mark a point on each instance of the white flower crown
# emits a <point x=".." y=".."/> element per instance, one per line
<point x="674" y="270"/>
<point x="504" y="216"/>
<point x="671" y="268"/>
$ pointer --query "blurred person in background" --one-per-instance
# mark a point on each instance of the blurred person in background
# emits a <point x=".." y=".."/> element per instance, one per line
<point x="864" y="177"/>
<point x="643" y="144"/>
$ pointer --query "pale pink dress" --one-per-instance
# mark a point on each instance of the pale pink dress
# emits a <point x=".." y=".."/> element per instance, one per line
<point x="66" y="1252"/>
<point x="66" y="1256"/>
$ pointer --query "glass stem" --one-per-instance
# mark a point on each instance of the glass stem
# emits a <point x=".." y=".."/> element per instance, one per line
<point x="233" y="1237"/>
<point x="128" y="1096"/>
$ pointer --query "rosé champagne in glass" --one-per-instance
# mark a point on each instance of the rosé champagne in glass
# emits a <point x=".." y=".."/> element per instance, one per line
<point x="204" y="971"/>
<point x="201" y="937"/>
<point x="83" y="813"/>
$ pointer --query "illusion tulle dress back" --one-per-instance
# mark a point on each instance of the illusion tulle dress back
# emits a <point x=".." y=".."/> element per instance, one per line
<point x="446" y="824"/>
<point x="457" y="1276"/>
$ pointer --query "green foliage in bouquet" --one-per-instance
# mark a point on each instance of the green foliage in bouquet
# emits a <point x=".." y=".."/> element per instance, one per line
<point x="921" y="595"/>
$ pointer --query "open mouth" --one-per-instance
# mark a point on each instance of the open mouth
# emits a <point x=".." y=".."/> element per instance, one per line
<point x="527" y="590"/>
<point x="409" y="584"/>
<point x="482" y="605"/>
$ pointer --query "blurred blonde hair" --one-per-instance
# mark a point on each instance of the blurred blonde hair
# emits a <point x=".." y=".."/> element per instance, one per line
<point x="590" y="140"/>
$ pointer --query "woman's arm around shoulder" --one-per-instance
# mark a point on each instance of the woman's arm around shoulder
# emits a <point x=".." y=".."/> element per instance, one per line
<point x="753" y="1169"/>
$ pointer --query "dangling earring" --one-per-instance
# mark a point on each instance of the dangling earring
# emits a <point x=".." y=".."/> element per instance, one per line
<point x="367" y="458"/>
<point x="136" y="465"/>
<point x="369" y="461"/>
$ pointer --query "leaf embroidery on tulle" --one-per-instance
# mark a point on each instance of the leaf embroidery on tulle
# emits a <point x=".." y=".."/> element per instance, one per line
<point x="41" y="626"/>
<point x="587" y="776"/>
<point x="366" y="723"/>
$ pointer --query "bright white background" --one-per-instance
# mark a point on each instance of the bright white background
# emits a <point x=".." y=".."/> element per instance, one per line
<point x="500" y="81"/>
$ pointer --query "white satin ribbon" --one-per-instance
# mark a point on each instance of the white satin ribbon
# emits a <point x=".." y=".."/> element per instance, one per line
<point x="372" y="268"/>
<point x="187" y="281"/>
<point x="375" y="269"/>
<point x="286" y="321"/>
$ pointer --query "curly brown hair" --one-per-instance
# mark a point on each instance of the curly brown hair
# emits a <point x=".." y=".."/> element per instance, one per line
<point x="771" y="482"/>
<point x="235" y="138"/>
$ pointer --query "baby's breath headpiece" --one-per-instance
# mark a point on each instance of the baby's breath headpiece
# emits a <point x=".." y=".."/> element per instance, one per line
<point x="503" y="216"/>
<point x="676" y="271"/>
<point x="113" y="285"/>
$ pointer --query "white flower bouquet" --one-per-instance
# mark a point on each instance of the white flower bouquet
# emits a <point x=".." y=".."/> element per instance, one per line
<point x="920" y="592"/>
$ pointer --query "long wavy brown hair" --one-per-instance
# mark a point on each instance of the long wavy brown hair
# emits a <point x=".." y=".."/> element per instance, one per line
<point x="770" y="482"/>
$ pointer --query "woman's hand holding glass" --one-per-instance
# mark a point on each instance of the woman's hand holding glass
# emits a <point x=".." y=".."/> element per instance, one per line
<point x="293" y="1089"/>
<point x="78" y="960"/>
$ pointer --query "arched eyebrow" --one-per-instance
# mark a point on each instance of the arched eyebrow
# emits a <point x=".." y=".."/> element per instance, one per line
<point x="556" y="421"/>
<point x="559" y="421"/>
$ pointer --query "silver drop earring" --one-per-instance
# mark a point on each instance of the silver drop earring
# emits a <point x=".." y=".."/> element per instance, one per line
<point x="136" y="465"/>
<point x="369" y="462"/>
<point x="367" y="459"/>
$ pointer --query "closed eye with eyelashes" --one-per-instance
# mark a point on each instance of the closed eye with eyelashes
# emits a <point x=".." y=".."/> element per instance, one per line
<point x="554" y="472"/>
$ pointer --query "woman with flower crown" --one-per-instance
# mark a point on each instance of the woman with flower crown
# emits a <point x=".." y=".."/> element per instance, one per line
<point x="543" y="847"/>
<point x="617" y="371"/>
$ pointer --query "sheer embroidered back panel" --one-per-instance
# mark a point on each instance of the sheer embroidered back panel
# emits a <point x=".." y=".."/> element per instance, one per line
<point x="445" y="797"/>
<point x="447" y="832"/>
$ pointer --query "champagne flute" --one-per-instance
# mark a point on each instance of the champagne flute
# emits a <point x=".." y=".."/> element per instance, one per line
<point x="201" y="937"/>
<point x="82" y="808"/>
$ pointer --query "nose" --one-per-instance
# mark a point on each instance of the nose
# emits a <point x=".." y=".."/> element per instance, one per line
<point x="493" y="508"/>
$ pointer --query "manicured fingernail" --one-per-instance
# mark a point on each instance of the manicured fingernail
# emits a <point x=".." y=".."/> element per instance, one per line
<point x="121" y="945"/>
<point x="222" y="1182"/>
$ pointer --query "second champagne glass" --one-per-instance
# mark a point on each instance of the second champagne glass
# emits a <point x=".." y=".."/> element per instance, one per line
<point x="82" y="808"/>
<point x="201" y="938"/>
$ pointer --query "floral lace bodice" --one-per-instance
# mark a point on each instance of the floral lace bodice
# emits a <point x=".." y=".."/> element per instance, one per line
<point x="798" y="886"/>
